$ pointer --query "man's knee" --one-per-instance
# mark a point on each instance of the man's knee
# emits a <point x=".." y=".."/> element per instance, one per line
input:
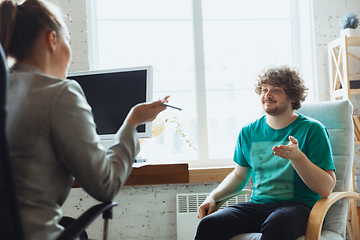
<point x="206" y="227"/>
<point x="208" y="222"/>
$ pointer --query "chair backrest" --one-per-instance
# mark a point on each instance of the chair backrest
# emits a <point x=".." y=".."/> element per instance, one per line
<point x="10" y="224"/>
<point x="337" y="118"/>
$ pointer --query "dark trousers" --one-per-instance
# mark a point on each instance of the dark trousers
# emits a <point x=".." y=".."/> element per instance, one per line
<point x="274" y="221"/>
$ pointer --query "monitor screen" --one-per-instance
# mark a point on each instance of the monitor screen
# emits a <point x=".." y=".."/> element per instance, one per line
<point x="112" y="93"/>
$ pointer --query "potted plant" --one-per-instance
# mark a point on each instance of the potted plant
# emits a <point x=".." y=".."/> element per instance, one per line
<point x="348" y="24"/>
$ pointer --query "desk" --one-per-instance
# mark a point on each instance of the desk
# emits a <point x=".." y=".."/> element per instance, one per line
<point x="152" y="174"/>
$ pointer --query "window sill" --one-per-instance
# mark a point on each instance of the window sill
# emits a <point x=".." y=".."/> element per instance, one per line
<point x="214" y="174"/>
<point x="154" y="174"/>
<point x="177" y="173"/>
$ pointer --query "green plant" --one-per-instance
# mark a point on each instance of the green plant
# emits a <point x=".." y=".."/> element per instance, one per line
<point x="180" y="128"/>
<point x="349" y="20"/>
<point x="159" y="126"/>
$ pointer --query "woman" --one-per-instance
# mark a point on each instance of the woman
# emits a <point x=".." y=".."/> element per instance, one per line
<point x="50" y="127"/>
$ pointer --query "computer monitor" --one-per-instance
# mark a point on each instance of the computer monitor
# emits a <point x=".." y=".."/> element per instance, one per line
<point x="112" y="93"/>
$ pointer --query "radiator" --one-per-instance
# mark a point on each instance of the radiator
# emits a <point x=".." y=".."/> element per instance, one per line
<point x="186" y="212"/>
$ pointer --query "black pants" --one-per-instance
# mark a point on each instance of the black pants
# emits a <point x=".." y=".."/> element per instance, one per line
<point x="274" y="221"/>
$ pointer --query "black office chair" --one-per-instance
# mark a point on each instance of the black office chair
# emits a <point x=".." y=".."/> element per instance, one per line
<point x="10" y="223"/>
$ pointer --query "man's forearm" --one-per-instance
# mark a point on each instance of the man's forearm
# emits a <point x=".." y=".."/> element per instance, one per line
<point x="320" y="181"/>
<point x="232" y="184"/>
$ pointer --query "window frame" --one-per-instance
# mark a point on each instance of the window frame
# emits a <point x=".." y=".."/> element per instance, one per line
<point x="301" y="60"/>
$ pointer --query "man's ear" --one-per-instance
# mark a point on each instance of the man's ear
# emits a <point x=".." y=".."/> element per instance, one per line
<point x="52" y="40"/>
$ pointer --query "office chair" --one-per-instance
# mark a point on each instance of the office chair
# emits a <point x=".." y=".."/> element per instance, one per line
<point x="10" y="222"/>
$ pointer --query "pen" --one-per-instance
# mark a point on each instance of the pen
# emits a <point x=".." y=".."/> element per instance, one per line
<point x="167" y="105"/>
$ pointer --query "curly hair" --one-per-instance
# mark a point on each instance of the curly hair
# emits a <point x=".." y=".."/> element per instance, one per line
<point x="286" y="77"/>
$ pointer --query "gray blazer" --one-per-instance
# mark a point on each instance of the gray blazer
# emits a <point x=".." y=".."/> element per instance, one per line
<point x="52" y="140"/>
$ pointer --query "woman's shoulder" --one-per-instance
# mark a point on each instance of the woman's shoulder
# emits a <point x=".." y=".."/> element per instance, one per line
<point x="30" y="81"/>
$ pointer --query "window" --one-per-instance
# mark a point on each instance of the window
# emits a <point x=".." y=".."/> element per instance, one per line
<point x="206" y="55"/>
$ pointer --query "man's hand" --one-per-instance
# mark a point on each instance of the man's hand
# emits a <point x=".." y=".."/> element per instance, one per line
<point x="320" y="181"/>
<point x="206" y="208"/>
<point x="290" y="151"/>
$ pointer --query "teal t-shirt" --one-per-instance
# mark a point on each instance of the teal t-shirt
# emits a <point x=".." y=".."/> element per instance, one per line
<point x="274" y="178"/>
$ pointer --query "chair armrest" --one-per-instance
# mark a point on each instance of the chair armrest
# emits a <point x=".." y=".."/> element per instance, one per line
<point x="74" y="230"/>
<point x="318" y="212"/>
<point x="220" y="203"/>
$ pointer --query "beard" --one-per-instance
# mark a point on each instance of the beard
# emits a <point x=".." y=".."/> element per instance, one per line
<point x="276" y="109"/>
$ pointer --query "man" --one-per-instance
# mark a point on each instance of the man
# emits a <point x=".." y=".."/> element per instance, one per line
<point x="289" y="158"/>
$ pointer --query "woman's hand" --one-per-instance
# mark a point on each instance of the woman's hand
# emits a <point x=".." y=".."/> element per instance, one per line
<point x="145" y="112"/>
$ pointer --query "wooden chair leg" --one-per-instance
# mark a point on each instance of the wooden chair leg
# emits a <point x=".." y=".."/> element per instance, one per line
<point x="348" y="230"/>
<point x="353" y="219"/>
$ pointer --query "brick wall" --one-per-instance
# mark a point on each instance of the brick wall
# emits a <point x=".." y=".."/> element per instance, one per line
<point x="143" y="213"/>
<point x="74" y="12"/>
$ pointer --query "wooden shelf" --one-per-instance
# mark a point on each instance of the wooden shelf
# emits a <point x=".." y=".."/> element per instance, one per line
<point x="177" y="173"/>
<point x="152" y="174"/>
<point x="155" y="174"/>
<point x="338" y="56"/>
<point x="354" y="91"/>
<point x="209" y="174"/>
<point x="353" y="41"/>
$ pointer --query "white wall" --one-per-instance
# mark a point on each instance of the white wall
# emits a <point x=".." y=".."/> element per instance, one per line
<point x="326" y="14"/>
<point x="149" y="212"/>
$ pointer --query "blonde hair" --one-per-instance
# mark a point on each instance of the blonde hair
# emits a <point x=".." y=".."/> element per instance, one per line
<point x="21" y="25"/>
